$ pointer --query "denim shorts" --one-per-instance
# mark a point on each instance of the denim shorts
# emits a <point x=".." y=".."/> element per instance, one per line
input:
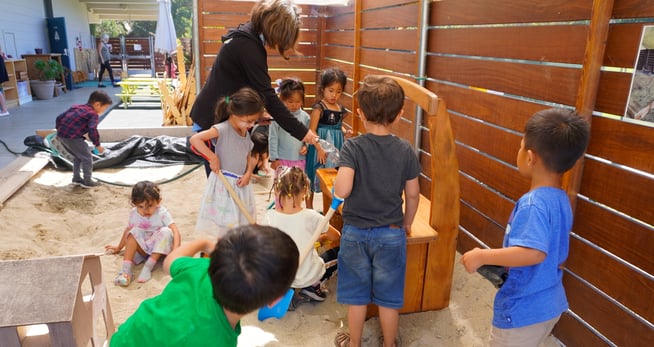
<point x="372" y="266"/>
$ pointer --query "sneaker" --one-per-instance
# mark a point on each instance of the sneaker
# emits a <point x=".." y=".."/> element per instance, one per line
<point x="77" y="181"/>
<point x="4" y="114"/>
<point x="123" y="279"/>
<point x="101" y="86"/>
<point x="89" y="184"/>
<point x="314" y="292"/>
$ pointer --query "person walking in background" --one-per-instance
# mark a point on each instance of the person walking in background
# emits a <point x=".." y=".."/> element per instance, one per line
<point x="232" y="156"/>
<point x="151" y="233"/>
<point x="71" y="127"/>
<point x="375" y="169"/>
<point x="536" y="242"/>
<point x="327" y="121"/>
<point x="242" y="62"/>
<point x="4" y="77"/>
<point x="104" y="55"/>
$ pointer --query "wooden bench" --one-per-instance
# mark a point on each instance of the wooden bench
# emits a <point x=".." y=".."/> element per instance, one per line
<point x="431" y="247"/>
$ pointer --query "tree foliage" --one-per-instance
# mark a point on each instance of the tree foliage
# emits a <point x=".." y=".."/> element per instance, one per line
<point x="182" y="11"/>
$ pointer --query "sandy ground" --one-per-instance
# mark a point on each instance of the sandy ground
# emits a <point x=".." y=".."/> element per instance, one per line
<point x="48" y="217"/>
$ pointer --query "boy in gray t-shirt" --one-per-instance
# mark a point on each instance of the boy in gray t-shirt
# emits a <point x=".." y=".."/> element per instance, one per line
<point x="374" y="170"/>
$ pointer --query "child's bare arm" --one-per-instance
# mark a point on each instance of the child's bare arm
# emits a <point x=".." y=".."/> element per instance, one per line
<point x="188" y="250"/>
<point x="343" y="182"/>
<point x="198" y="141"/>
<point x="245" y="179"/>
<point x="509" y="256"/>
<point x="121" y="243"/>
<point x="177" y="237"/>
<point x="412" y="197"/>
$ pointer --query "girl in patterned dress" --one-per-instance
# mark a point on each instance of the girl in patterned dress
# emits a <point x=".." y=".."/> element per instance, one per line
<point x="150" y="234"/>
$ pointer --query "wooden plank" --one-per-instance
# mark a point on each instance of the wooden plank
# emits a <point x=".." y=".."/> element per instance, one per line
<point x="528" y="43"/>
<point x="372" y="4"/>
<point x="391" y="17"/>
<point x="340" y="22"/>
<point x="225" y="6"/>
<point x="623" y="44"/>
<point x="633" y="9"/>
<point x="339" y="37"/>
<point x="488" y="139"/>
<point x="539" y="82"/>
<point x="339" y="52"/>
<point x="620" y="189"/>
<point x="394" y="39"/>
<point x="402" y="62"/>
<point x="496" y="109"/>
<point x="614" y="323"/>
<point x="623" y="143"/>
<point x="475" y="12"/>
<point x="613" y="92"/>
<point x="620" y="236"/>
<point x="17" y="173"/>
<point x="630" y="288"/>
<point x="489" y="203"/>
<point x="488" y="231"/>
<point x="492" y="173"/>
<point x="226" y="21"/>
<point x="572" y="333"/>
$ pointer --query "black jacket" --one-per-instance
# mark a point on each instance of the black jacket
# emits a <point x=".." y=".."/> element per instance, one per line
<point x="242" y="62"/>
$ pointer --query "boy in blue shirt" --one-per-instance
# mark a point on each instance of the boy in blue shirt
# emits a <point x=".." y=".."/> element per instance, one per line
<point x="536" y="240"/>
<point x="374" y="170"/>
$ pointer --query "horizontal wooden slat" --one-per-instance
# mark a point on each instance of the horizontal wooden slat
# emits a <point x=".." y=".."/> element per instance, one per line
<point x="628" y="287"/>
<point x="489" y="203"/>
<point x="633" y="9"/>
<point x="492" y="173"/>
<point x="572" y="333"/>
<point x="391" y="17"/>
<point x="528" y="43"/>
<point x="394" y="61"/>
<point x="342" y="38"/>
<point x="224" y="20"/>
<point x="486" y="230"/>
<point x="507" y="11"/>
<point x="226" y="6"/>
<point x="493" y="141"/>
<point x="405" y="39"/>
<point x="339" y="52"/>
<point x="623" y="143"/>
<point x="496" y="109"/>
<point x="624" y="238"/>
<point x="620" y="189"/>
<point x="622" y="44"/>
<point x="371" y="4"/>
<point x="614" y="323"/>
<point x="539" y="82"/>
<point x="613" y="91"/>
<point x="404" y="130"/>
<point x="340" y="22"/>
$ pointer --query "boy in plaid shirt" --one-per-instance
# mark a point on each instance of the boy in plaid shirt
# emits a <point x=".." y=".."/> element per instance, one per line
<point x="71" y="127"/>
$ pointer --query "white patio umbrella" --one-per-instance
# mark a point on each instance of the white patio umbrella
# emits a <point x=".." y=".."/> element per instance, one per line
<point x="165" y="40"/>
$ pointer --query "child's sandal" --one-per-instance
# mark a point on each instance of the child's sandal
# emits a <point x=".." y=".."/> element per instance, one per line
<point x="123" y="279"/>
<point x="342" y="339"/>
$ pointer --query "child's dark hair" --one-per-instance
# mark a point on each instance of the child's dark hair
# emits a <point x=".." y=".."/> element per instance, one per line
<point x="289" y="86"/>
<point x="328" y="77"/>
<point x="279" y="22"/>
<point x="246" y="101"/>
<point x="251" y="266"/>
<point x="559" y="136"/>
<point x="260" y="141"/>
<point x="290" y="182"/>
<point x="381" y="99"/>
<point x="145" y="191"/>
<point x="101" y="97"/>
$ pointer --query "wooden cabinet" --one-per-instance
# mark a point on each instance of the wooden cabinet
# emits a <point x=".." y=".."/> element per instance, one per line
<point x="17" y="89"/>
<point x="30" y="59"/>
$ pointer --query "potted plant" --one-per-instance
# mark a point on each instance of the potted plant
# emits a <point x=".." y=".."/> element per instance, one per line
<point x="48" y="72"/>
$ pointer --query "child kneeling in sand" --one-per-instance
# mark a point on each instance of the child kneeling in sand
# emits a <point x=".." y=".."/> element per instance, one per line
<point x="206" y="297"/>
<point x="150" y="233"/>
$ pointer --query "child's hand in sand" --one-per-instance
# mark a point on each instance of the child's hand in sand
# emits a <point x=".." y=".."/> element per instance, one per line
<point x="112" y="249"/>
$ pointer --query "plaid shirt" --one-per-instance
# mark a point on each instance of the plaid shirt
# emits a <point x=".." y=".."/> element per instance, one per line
<point x="77" y="121"/>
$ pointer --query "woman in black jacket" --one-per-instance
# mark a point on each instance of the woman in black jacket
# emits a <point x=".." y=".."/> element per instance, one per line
<point x="242" y="62"/>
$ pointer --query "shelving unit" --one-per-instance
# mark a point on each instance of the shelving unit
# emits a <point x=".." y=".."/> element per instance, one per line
<point x="17" y="90"/>
<point x="34" y="73"/>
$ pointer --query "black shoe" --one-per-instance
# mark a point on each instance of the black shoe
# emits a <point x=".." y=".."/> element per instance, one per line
<point x="495" y="274"/>
<point x="101" y="85"/>
<point x="89" y="184"/>
<point x="77" y="181"/>
<point x="314" y="292"/>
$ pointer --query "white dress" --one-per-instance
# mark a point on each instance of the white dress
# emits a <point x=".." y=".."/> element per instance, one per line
<point x="300" y="227"/>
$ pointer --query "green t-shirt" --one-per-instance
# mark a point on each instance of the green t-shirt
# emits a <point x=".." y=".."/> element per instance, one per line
<point x="184" y="314"/>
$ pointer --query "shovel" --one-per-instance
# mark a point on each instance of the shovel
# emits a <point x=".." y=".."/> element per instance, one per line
<point x="279" y="309"/>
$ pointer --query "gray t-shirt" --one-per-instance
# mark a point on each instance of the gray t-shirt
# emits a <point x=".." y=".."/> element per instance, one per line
<point x="382" y="165"/>
<point x="104" y="52"/>
<point x="232" y="149"/>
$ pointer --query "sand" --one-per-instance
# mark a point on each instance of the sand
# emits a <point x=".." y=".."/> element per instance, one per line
<point x="48" y="217"/>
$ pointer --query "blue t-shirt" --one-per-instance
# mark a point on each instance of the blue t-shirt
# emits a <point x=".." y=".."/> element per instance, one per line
<point x="541" y="219"/>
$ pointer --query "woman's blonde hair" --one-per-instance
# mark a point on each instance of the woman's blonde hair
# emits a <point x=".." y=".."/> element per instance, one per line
<point x="279" y="22"/>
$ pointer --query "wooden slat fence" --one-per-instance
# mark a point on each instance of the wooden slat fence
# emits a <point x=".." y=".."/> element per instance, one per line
<point x="495" y="63"/>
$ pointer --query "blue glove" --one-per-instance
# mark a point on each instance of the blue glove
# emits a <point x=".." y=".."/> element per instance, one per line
<point x="336" y="201"/>
<point x="95" y="151"/>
